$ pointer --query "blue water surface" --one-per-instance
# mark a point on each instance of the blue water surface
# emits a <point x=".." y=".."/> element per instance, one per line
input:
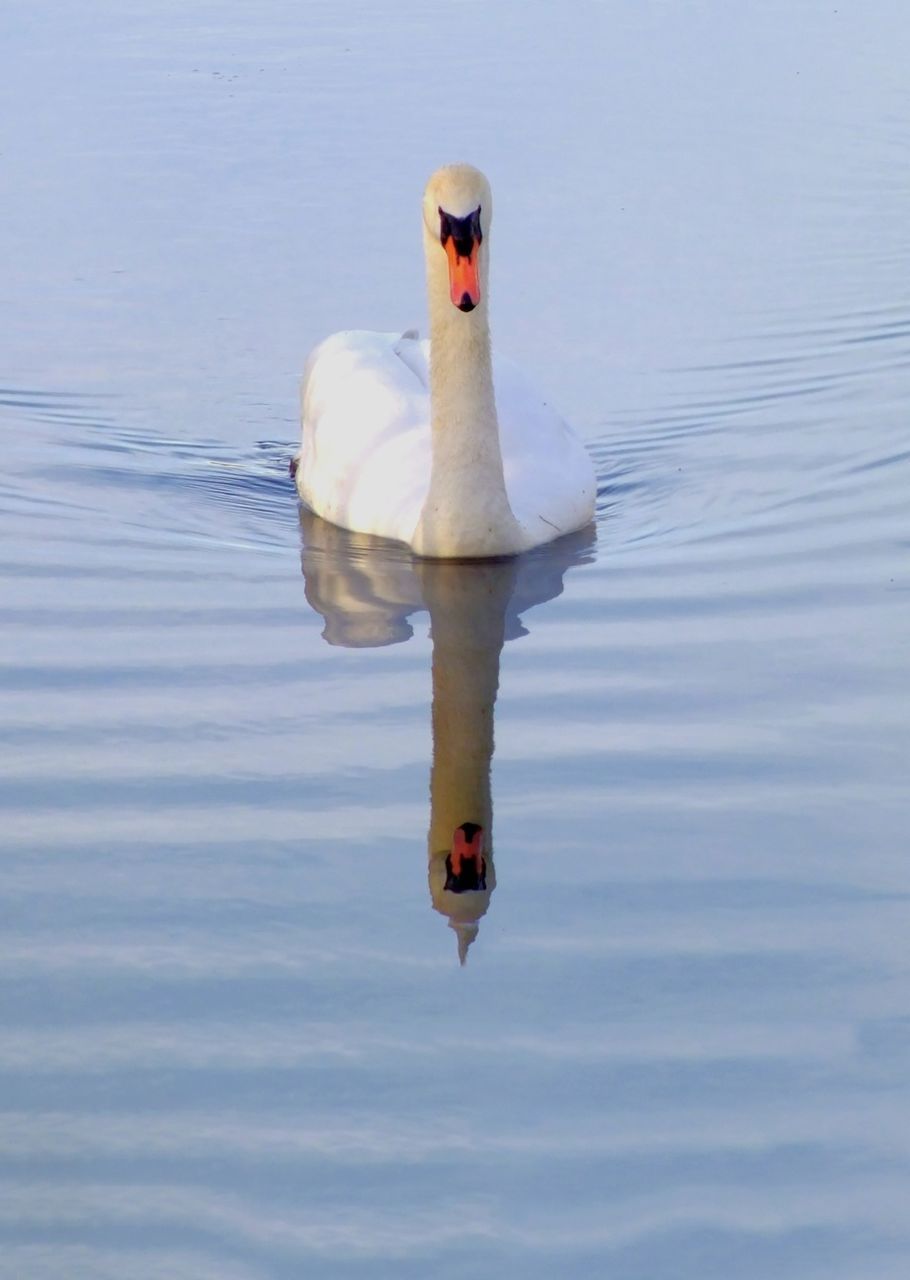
<point x="236" y="1041"/>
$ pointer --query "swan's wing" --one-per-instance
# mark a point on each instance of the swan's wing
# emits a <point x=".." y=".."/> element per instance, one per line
<point x="365" y="452"/>
<point x="549" y="473"/>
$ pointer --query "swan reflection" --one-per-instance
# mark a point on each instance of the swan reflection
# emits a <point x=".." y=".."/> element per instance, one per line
<point x="367" y="590"/>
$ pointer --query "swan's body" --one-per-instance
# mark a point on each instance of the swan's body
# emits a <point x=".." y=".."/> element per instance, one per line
<point x="425" y="442"/>
<point x="367" y="447"/>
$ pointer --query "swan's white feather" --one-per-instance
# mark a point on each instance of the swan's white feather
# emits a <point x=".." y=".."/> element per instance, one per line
<point x="366" y="447"/>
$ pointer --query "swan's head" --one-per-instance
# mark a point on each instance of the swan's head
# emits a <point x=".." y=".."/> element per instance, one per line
<point x="457" y="209"/>
<point x="462" y="881"/>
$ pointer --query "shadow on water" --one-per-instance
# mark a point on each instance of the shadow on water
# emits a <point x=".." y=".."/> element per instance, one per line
<point x="367" y="590"/>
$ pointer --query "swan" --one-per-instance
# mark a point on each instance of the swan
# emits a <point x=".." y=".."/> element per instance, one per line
<point x="424" y="441"/>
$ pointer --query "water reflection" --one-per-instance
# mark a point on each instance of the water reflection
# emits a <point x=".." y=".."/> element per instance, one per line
<point x="367" y="591"/>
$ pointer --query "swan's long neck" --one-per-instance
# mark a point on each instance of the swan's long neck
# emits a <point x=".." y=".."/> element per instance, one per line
<point x="467" y="510"/>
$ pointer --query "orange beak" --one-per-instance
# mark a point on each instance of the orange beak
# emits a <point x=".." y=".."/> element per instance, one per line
<point x="466" y="867"/>
<point x="464" y="277"/>
<point x="466" y="850"/>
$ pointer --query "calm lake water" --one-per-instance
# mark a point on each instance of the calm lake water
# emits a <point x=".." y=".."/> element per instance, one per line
<point x="236" y="1041"/>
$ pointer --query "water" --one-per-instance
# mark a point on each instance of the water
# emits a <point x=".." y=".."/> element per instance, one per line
<point x="236" y="1040"/>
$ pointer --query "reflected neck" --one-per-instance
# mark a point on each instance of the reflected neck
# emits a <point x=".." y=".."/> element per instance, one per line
<point x="467" y="606"/>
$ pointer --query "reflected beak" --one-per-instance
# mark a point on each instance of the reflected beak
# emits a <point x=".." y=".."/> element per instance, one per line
<point x="466" y="867"/>
<point x="464" y="277"/>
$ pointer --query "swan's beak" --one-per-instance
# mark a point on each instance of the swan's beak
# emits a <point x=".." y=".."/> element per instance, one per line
<point x="464" y="277"/>
<point x="466" y="867"/>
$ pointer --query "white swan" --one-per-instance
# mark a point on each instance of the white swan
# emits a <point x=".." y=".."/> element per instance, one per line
<point x="407" y="440"/>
